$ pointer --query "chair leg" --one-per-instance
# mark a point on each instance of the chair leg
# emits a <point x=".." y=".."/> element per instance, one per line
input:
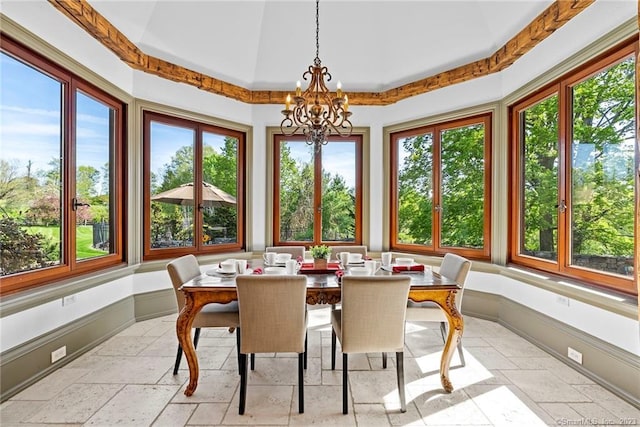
<point x="460" y="353"/>
<point x="345" y="383"/>
<point x="253" y="361"/>
<point x="443" y="331"/>
<point x="300" y="384"/>
<point x="384" y="360"/>
<point x="178" y="359"/>
<point x="333" y="350"/>
<point x="243" y="383"/>
<point x="196" y="338"/>
<point x="305" y="350"/>
<point x="238" y="350"/>
<point x="400" y="373"/>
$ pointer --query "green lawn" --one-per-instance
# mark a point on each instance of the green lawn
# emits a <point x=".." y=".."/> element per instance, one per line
<point x="84" y="239"/>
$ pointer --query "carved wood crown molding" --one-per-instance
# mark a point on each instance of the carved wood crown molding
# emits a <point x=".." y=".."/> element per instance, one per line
<point x="552" y="18"/>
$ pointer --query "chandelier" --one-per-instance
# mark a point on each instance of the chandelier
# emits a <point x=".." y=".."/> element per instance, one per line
<point x="316" y="112"/>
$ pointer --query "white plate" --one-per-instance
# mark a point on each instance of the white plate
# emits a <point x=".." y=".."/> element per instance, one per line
<point x="249" y="271"/>
<point x="275" y="270"/>
<point x="217" y="271"/>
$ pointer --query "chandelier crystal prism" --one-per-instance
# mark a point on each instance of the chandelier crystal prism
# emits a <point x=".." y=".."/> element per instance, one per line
<point x="317" y="112"/>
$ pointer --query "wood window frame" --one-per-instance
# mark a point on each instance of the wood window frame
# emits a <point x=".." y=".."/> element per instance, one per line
<point x="435" y="129"/>
<point x="563" y="88"/>
<point x="69" y="266"/>
<point x="199" y="128"/>
<point x="317" y="231"/>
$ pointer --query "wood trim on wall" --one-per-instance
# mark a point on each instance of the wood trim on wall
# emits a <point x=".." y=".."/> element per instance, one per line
<point x="546" y="23"/>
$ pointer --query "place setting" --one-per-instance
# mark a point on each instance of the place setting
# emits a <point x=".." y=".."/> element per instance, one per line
<point x="274" y="259"/>
<point x="402" y="264"/>
<point x="230" y="268"/>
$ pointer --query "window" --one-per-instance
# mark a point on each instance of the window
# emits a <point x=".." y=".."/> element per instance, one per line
<point x="61" y="173"/>
<point x="573" y="174"/>
<point x="194" y="187"/>
<point x="318" y="196"/>
<point x="440" y="188"/>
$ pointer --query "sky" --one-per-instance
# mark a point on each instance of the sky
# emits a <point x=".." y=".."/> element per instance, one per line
<point x="30" y="114"/>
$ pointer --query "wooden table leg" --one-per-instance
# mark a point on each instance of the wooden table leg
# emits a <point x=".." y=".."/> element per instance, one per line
<point x="456" y="326"/>
<point x="183" y="331"/>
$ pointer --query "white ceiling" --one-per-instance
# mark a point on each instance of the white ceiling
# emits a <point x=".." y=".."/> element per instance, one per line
<point x="368" y="45"/>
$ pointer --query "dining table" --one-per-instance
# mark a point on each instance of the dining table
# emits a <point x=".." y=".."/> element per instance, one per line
<point x="323" y="287"/>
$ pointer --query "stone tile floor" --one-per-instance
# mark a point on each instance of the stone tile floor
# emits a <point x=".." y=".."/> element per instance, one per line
<point x="128" y="380"/>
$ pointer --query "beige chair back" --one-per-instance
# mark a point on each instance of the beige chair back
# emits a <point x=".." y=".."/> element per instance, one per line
<point x="457" y="268"/>
<point x="272" y="313"/>
<point x="182" y="270"/>
<point x="373" y="313"/>
<point x="295" y="251"/>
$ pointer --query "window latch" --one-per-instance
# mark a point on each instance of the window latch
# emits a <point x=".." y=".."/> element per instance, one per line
<point x="562" y="206"/>
<point x="76" y="204"/>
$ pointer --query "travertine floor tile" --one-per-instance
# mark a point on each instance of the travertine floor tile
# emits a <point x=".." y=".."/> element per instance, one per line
<point x="128" y="380"/>
<point x="134" y="405"/>
<point x="175" y="415"/>
<point x="76" y="404"/>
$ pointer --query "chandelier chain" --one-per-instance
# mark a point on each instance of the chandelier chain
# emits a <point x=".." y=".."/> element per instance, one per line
<point x="318" y="30"/>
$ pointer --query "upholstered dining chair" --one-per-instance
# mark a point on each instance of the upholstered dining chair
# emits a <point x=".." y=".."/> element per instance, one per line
<point x="295" y="251"/>
<point x="453" y="267"/>
<point x="183" y="269"/>
<point x="273" y="319"/>
<point x="371" y="319"/>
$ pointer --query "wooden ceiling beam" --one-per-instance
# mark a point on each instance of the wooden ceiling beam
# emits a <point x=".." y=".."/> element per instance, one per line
<point x="547" y="22"/>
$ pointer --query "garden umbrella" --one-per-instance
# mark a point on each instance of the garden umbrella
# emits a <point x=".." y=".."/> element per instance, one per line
<point x="212" y="196"/>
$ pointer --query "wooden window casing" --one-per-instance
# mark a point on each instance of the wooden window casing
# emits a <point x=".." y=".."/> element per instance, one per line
<point x="317" y="193"/>
<point x="436" y="247"/>
<point x="562" y="88"/>
<point x="69" y="266"/>
<point x="199" y="128"/>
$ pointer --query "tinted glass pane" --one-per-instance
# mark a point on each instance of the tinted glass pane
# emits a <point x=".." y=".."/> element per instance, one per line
<point x="30" y="168"/>
<point x="296" y="191"/>
<point x="539" y="148"/>
<point x="602" y="173"/>
<point x="339" y="191"/>
<point x="172" y="192"/>
<point x="220" y="188"/>
<point x="94" y="141"/>
<point x="415" y="189"/>
<point x="462" y="187"/>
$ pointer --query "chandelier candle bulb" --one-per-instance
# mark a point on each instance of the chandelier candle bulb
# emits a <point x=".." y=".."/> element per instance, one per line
<point x="287" y="103"/>
<point x="298" y="88"/>
<point x="345" y="107"/>
<point x="339" y="91"/>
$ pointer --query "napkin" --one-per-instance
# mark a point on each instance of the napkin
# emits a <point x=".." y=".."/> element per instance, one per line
<point x="257" y="270"/>
<point x="401" y="268"/>
<point x="339" y="275"/>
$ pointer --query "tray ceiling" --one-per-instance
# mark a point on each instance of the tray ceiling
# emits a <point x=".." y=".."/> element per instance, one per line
<point x="368" y="45"/>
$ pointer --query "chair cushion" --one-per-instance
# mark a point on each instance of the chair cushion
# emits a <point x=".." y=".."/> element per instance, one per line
<point x="218" y="315"/>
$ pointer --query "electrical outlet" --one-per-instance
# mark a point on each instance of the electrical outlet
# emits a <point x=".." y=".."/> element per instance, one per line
<point x="58" y="354"/>
<point x="574" y="355"/>
<point x="562" y="300"/>
<point x="68" y="300"/>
